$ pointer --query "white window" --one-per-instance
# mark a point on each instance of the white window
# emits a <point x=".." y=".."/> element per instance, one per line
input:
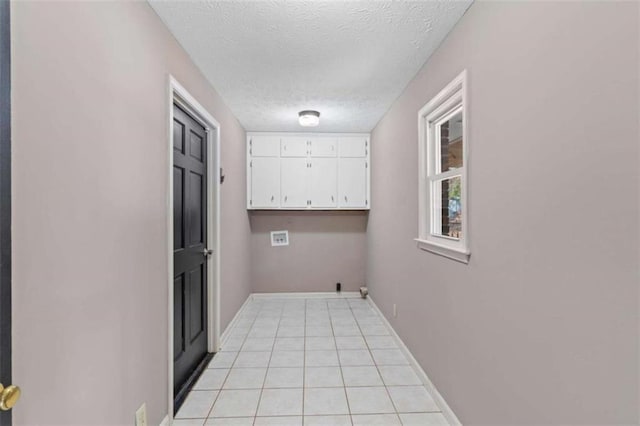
<point x="444" y="160"/>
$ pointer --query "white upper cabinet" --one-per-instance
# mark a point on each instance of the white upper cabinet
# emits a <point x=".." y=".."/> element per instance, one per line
<point x="294" y="182"/>
<point x="323" y="147"/>
<point x="265" y="182"/>
<point x="298" y="171"/>
<point x="323" y="185"/>
<point x="352" y="178"/>
<point x="354" y="146"/>
<point x="292" y="146"/>
<point x="264" y="146"/>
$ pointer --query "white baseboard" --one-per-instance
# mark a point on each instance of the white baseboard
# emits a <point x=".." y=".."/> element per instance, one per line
<point x="165" y="421"/>
<point x="310" y="295"/>
<point x="225" y="334"/>
<point x="447" y="412"/>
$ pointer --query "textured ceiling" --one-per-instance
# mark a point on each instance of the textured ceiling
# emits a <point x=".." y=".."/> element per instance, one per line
<point x="271" y="59"/>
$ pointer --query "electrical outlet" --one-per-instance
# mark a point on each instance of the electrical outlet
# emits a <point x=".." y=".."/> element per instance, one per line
<point x="395" y="310"/>
<point x="141" y="415"/>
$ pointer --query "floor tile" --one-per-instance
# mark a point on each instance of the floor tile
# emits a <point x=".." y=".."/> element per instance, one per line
<point x="389" y="357"/>
<point x="350" y="342"/>
<point x="284" y="377"/>
<point x="233" y="421"/>
<point x="291" y="322"/>
<point x="233" y="343"/>
<point x="197" y="405"/>
<point x="323" y="377"/>
<point x="321" y="358"/>
<point x="291" y="331"/>
<point x="187" y="422"/>
<point x="211" y="379"/>
<point x="319" y="343"/>
<point x="398" y="375"/>
<point x="424" y="419"/>
<point x="287" y="359"/>
<point x="258" y="344"/>
<point x="325" y="401"/>
<point x="355" y="357"/>
<point x="236" y="403"/>
<point x="412" y="399"/>
<point x="245" y="378"/>
<point x="279" y="421"/>
<point x="361" y="376"/>
<point x="346" y="331"/>
<point x="266" y="331"/>
<point x="280" y="402"/>
<point x="343" y="420"/>
<point x="223" y="360"/>
<point x="376" y="419"/>
<point x="289" y="344"/>
<point x="252" y="359"/>
<point x="374" y="330"/>
<point x="318" y="331"/>
<point x="381" y="342"/>
<point x="369" y="400"/>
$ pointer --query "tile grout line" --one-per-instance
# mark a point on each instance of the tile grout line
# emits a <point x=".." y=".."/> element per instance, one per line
<point x="304" y="355"/>
<point x="344" y="385"/>
<point x="268" y="364"/>
<point x="230" y="368"/>
<point x="376" y="364"/>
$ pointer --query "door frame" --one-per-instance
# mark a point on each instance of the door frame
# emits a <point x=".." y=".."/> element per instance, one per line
<point x="5" y="198"/>
<point x="179" y="95"/>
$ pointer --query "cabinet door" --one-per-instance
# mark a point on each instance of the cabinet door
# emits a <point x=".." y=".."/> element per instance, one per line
<point x="265" y="182"/>
<point x="264" y="146"/>
<point x="293" y="146"/>
<point x="352" y="183"/>
<point x="324" y="147"/>
<point x="355" y="146"/>
<point x="323" y="185"/>
<point x="294" y="182"/>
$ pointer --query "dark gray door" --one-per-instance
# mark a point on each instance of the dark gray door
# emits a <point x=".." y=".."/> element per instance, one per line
<point x="5" y="205"/>
<point x="189" y="246"/>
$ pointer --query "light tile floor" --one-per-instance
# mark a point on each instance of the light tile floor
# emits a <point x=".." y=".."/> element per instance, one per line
<point x="309" y="361"/>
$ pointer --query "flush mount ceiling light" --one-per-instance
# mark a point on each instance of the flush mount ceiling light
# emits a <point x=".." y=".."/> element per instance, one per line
<point x="309" y="118"/>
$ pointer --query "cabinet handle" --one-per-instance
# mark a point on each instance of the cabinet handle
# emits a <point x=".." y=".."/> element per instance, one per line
<point x="285" y="147"/>
<point x="332" y="198"/>
<point x="285" y="198"/>
<point x="345" y="198"/>
<point x="272" y="198"/>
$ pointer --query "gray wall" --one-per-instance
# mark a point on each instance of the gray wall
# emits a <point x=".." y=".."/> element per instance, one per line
<point x="542" y="326"/>
<point x="324" y="248"/>
<point x="90" y="102"/>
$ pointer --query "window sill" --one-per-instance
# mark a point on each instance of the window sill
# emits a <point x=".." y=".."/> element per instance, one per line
<point x="451" y="253"/>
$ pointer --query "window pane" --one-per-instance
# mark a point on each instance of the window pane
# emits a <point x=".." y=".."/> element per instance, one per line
<point x="451" y="143"/>
<point x="447" y="207"/>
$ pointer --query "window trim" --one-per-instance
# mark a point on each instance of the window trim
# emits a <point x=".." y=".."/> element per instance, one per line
<point x="445" y="104"/>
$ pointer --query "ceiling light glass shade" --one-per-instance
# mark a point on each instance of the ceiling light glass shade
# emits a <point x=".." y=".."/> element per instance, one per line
<point x="309" y="118"/>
